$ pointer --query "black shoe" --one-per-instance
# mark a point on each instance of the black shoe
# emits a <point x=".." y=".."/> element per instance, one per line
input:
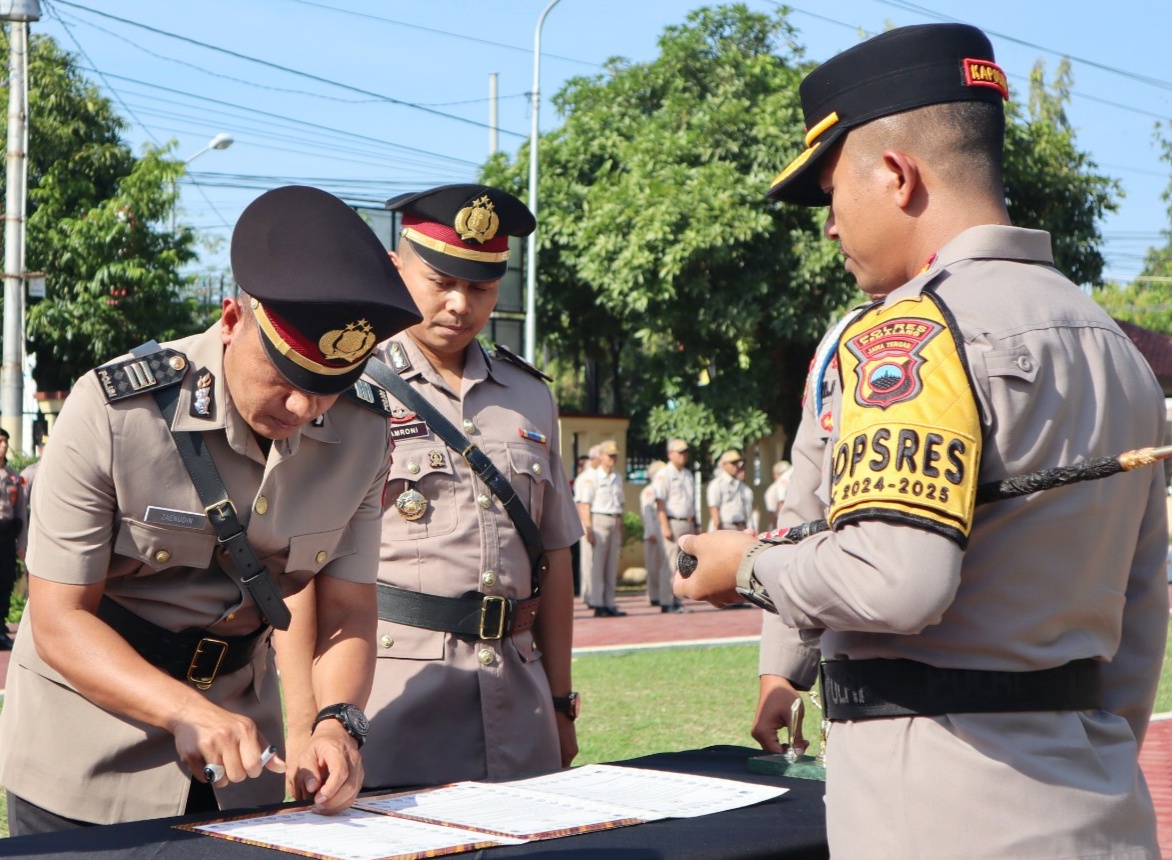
<point x="655" y="603"/>
<point x="615" y="612"/>
<point x="6" y="642"/>
<point x="675" y="610"/>
<point x="601" y="612"/>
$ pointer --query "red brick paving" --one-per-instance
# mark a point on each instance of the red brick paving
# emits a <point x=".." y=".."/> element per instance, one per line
<point x="646" y="625"/>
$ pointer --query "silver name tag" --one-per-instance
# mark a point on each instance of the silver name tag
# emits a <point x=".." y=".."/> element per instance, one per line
<point x="183" y="519"/>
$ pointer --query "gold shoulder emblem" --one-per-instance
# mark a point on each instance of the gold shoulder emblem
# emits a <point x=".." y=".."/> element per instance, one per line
<point x="347" y="344"/>
<point x="479" y="221"/>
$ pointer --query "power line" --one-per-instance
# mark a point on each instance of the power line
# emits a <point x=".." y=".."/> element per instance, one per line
<point x="288" y="70"/>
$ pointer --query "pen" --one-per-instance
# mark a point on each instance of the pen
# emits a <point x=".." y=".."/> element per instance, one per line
<point x="213" y="773"/>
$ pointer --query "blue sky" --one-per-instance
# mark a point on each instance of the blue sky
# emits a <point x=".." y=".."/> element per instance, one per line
<point x="320" y="92"/>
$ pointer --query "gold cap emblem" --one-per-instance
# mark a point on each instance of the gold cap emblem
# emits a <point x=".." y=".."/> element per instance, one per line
<point x="347" y="344"/>
<point x="478" y="222"/>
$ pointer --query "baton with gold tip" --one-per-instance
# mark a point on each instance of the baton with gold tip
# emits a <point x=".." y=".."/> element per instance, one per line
<point x="991" y="491"/>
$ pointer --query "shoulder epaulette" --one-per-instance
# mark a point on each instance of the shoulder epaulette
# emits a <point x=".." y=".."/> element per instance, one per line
<point x="142" y="374"/>
<point x="502" y="351"/>
<point x="371" y="396"/>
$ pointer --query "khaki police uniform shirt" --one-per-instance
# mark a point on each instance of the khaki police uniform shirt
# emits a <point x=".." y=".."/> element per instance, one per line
<point x="1071" y="573"/>
<point x="446" y="708"/>
<point x="678" y="492"/>
<point x="312" y="506"/>
<point x="732" y="499"/>
<point x="603" y="492"/>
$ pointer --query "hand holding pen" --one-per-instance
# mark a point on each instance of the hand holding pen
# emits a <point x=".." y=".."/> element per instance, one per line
<point x="213" y="773"/>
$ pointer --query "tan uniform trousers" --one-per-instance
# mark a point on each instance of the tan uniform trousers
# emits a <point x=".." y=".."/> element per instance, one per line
<point x="679" y="528"/>
<point x="653" y="562"/>
<point x="604" y="567"/>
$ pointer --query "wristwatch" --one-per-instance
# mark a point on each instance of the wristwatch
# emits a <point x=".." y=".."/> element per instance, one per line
<point x="570" y="705"/>
<point x="748" y="585"/>
<point x="351" y="718"/>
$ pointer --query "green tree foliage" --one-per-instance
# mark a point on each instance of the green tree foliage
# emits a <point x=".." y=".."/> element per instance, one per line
<point x="670" y="289"/>
<point x="96" y="227"/>
<point x="1052" y="185"/>
<point x="664" y="269"/>
<point x="1148" y="300"/>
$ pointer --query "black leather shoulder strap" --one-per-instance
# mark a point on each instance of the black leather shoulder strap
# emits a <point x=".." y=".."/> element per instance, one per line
<point x="484" y="468"/>
<point x="246" y="568"/>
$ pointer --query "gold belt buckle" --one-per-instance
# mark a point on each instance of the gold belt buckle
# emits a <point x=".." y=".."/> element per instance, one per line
<point x="500" y="627"/>
<point x="204" y="683"/>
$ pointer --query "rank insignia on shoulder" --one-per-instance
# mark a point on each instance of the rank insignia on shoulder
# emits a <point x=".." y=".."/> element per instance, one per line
<point x="399" y="360"/>
<point x="142" y="374"/>
<point x="201" y="398"/>
<point x="372" y="397"/>
<point x="508" y="355"/>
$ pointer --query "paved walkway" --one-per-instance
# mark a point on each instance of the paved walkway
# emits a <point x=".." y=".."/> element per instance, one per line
<point x="646" y="626"/>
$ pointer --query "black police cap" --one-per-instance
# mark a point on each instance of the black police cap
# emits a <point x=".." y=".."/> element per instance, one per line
<point x="463" y="230"/>
<point x="324" y="290"/>
<point x="899" y="70"/>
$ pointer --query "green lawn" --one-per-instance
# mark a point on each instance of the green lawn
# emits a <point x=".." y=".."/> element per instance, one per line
<point x="658" y="700"/>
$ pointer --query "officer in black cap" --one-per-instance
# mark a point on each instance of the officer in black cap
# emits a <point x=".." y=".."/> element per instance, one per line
<point x="983" y="667"/>
<point x="493" y="698"/>
<point x="157" y="576"/>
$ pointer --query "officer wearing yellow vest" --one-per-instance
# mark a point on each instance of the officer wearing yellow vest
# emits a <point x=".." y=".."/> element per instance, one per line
<point x="983" y="667"/>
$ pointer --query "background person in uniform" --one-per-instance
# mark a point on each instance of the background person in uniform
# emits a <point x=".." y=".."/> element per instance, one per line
<point x="675" y="504"/>
<point x="450" y="705"/>
<point x="580" y="466"/>
<point x="974" y="746"/>
<point x="97" y="730"/>
<point x="583" y="491"/>
<point x="27" y="475"/>
<point x="600" y="507"/>
<point x="730" y="501"/>
<point x="654" y="561"/>
<point x="775" y="492"/>
<point x="10" y="526"/>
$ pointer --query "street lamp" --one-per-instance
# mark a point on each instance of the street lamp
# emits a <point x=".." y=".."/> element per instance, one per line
<point x="531" y="248"/>
<point x="220" y="141"/>
<point x="19" y="12"/>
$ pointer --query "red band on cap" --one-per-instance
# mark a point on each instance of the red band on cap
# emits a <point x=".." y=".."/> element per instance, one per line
<point x="350" y="345"/>
<point x="985" y="73"/>
<point x="448" y="235"/>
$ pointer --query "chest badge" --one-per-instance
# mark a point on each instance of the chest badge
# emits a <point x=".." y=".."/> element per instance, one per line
<point x="201" y="401"/>
<point x="435" y="459"/>
<point x="411" y="504"/>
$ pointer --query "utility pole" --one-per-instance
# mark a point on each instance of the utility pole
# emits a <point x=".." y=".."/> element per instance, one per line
<point x="19" y="13"/>
<point x="492" y="113"/>
<point x="531" y="247"/>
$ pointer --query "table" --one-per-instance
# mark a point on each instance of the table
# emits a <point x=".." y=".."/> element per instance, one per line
<point x="791" y="826"/>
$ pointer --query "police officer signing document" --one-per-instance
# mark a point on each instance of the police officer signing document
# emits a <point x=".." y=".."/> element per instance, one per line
<point x="990" y="670"/>
<point x="157" y="577"/>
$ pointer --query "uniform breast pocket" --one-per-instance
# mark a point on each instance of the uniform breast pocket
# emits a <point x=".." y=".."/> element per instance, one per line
<point x="529" y="475"/>
<point x="312" y="552"/>
<point x="1012" y="374"/>
<point x="160" y="547"/>
<point x="420" y="500"/>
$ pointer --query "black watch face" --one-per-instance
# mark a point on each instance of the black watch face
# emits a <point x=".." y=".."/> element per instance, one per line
<point x="356" y="720"/>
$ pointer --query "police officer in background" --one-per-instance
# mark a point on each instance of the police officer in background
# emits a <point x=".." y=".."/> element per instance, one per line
<point x="730" y="501"/>
<point x="583" y="487"/>
<point x="600" y="507"/>
<point x="675" y="505"/>
<point x="984" y="666"/>
<point x="473" y="676"/>
<point x="654" y="561"/>
<point x="143" y="656"/>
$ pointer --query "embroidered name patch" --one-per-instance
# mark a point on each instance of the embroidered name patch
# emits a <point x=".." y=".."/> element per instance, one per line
<point x="982" y="73"/>
<point x="408" y="431"/>
<point x="910" y="443"/>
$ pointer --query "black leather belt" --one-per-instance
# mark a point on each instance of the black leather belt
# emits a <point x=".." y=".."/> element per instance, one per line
<point x="474" y="615"/>
<point x="682" y="519"/>
<point x="194" y="655"/>
<point x="601" y="514"/>
<point x="870" y="689"/>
